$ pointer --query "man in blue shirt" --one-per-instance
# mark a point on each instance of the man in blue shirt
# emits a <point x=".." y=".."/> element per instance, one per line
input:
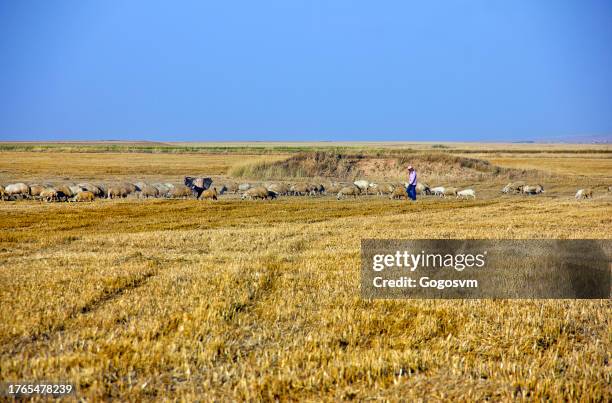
<point x="412" y="182"/>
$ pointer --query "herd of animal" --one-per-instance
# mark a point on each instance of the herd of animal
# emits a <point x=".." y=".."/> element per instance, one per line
<point x="202" y="188"/>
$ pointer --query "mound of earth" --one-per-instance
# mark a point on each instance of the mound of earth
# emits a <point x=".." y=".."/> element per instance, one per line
<point x="437" y="167"/>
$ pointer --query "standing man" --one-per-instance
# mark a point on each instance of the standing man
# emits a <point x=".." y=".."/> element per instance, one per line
<point x="412" y="182"/>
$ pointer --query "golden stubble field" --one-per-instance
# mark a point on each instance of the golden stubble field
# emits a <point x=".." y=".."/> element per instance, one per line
<point x="189" y="299"/>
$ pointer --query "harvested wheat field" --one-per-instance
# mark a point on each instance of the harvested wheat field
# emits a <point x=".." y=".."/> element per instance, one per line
<point x="260" y="300"/>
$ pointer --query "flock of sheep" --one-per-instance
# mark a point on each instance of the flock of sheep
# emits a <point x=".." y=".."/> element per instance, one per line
<point x="202" y="188"/>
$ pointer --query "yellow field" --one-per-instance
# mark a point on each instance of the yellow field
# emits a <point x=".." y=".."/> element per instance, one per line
<point x="37" y="166"/>
<point x="141" y="300"/>
<point x="573" y="165"/>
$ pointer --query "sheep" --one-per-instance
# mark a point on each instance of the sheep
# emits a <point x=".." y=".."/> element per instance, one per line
<point x="180" y="191"/>
<point x="95" y="189"/>
<point x="147" y="191"/>
<point x="53" y="194"/>
<point x="384" y="188"/>
<point x="74" y="189"/>
<point x="423" y="188"/>
<point x="466" y="193"/>
<point x="35" y="191"/>
<point x="116" y="191"/>
<point x="210" y="193"/>
<point x="399" y="193"/>
<point x="513" y="187"/>
<point x="584" y="194"/>
<point x="84" y="196"/>
<point x="438" y="191"/>
<point x="18" y="190"/>
<point x="243" y="187"/>
<point x="532" y="190"/>
<point x="258" y="192"/>
<point x="313" y="189"/>
<point x="64" y="190"/>
<point x="299" y="189"/>
<point x="49" y="194"/>
<point x="364" y="185"/>
<point x="348" y="191"/>
<point x="139" y="186"/>
<point x="162" y="189"/>
<point x="230" y="187"/>
<point x="278" y="188"/>
<point x="450" y="191"/>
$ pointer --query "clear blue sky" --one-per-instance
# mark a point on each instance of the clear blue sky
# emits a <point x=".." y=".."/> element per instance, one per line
<point x="305" y="69"/>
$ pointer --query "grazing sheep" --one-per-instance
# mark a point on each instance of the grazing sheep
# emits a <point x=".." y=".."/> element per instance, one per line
<point x="230" y="187"/>
<point x="147" y="191"/>
<point x="423" y="188"/>
<point x="258" y="192"/>
<point x="363" y="185"/>
<point x="210" y="193"/>
<point x="532" y="190"/>
<point x="278" y="188"/>
<point x="102" y="187"/>
<point x="348" y="191"/>
<point x="299" y="189"/>
<point x="243" y="187"/>
<point x="75" y="189"/>
<point x="399" y="193"/>
<point x="35" y="191"/>
<point x="466" y="194"/>
<point x="139" y="186"/>
<point x="84" y="196"/>
<point x="18" y="190"/>
<point x="129" y="188"/>
<point x="384" y="189"/>
<point x="116" y="191"/>
<point x="450" y="192"/>
<point x="180" y="191"/>
<point x="320" y="189"/>
<point x="438" y="191"/>
<point x="53" y="194"/>
<point x="95" y="189"/>
<point x="162" y="189"/>
<point x="584" y="194"/>
<point x="513" y="187"/>
<point x="64" y="190"/>
<point x="49" y="195"/>
<point x="313" y="189"/>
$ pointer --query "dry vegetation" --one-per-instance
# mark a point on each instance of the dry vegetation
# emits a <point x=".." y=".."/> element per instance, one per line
<point x="141" y="300"/>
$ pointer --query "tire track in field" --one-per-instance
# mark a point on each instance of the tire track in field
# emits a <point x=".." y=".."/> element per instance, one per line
<point x="109" y="294"/>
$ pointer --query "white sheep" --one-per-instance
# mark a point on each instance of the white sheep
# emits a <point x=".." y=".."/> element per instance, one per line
<point x="438" y="191"/>
<point x="466" y="193"/>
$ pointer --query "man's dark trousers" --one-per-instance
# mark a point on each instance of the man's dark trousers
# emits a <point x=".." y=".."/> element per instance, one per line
<point x="411" y="190"/>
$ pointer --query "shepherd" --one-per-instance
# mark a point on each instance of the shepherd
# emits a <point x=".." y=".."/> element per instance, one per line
<point x="412" y="182"/>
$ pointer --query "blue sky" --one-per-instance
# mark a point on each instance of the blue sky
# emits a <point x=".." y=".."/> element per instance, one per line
<point x="305" y="70"/>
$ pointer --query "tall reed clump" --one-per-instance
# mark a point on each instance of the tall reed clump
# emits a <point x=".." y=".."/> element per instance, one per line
<point x="302" y="165"/>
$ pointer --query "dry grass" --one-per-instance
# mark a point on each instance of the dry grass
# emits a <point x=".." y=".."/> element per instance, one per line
<point x="140" y="300"/>
<point x="593" y="166"/>
<point x="38" y="167"/>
